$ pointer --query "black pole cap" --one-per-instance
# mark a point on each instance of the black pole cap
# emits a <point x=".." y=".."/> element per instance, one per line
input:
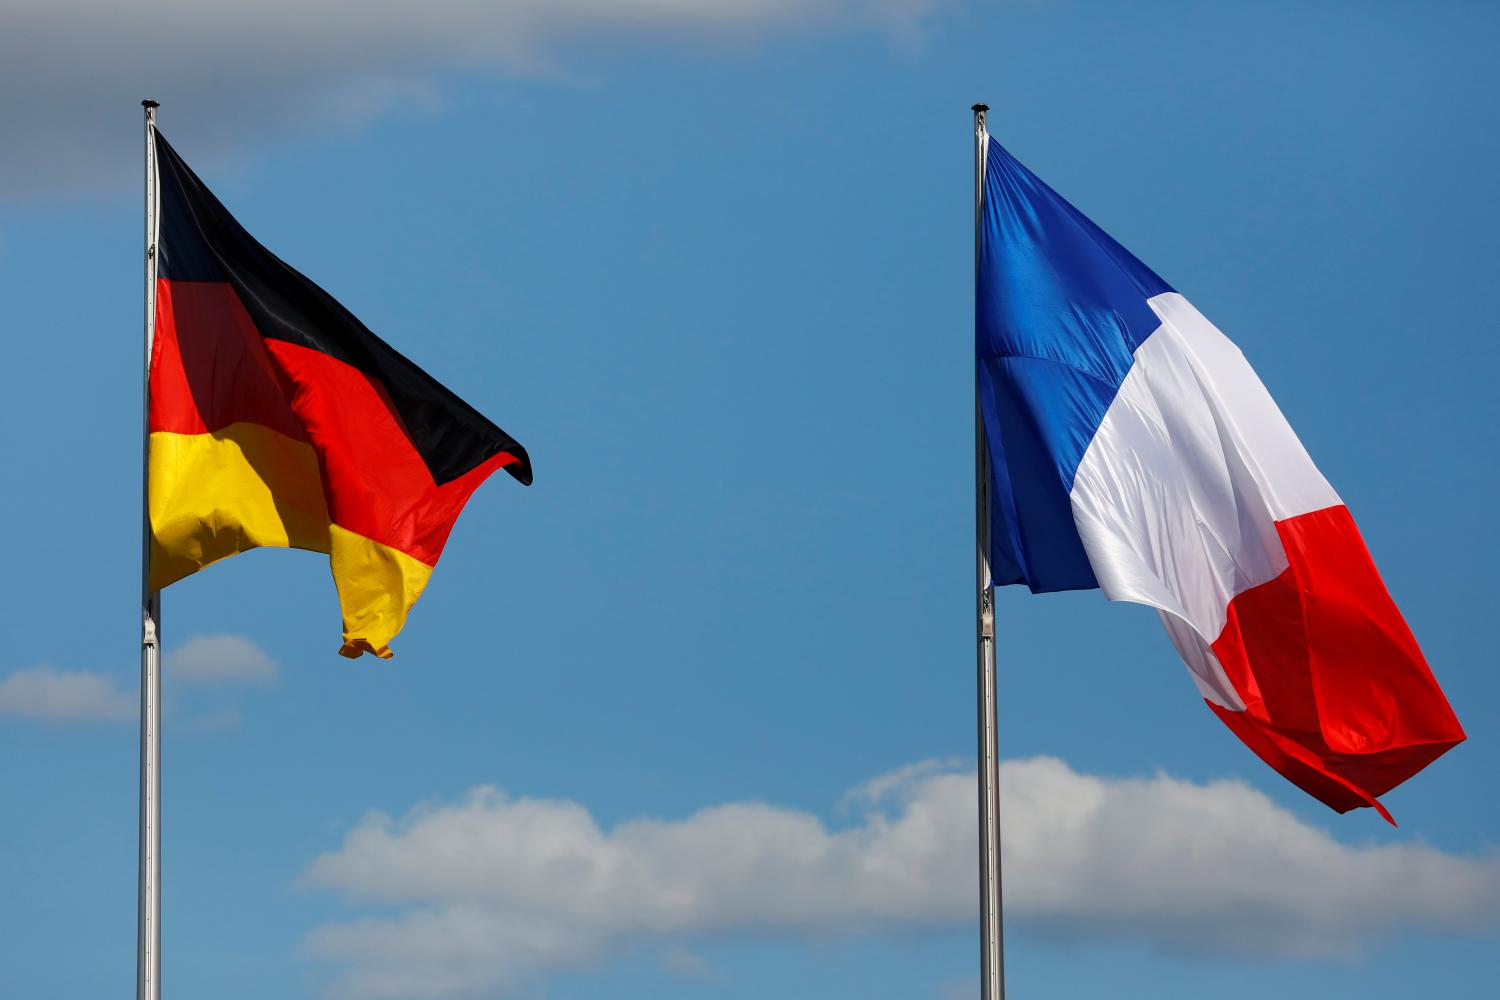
<point x="149" y="103"/>
<point x="979" y="107"/>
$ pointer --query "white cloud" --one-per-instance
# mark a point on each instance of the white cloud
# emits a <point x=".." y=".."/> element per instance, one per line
<point x="892" y="783"/>
<point x="220" y="659"/>
<point x="460" y="949"/>
<point x="684" y="964"/>
<point x="233" y="72"/>
<point x="963" y="989"/>
<point x="54" y="695"/>
<point x="492" y="891"/>
<point x="219" y="720"/>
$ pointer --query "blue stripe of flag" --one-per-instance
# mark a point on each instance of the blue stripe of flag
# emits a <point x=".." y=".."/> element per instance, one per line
<point x="1060" y="308"/>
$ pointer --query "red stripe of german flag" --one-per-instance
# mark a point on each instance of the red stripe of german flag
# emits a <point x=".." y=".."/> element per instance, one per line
<point x="277" y="419"/>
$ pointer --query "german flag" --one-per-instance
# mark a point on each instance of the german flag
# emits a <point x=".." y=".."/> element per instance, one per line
<point x="277" y="418"/>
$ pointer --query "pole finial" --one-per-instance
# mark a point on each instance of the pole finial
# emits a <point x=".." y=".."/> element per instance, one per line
<point x="980" y="109"/>
<point x="149" y="103"/>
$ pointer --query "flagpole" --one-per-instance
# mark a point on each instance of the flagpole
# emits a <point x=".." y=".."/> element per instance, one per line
<point x="992" y="941"/>
<point x="148" y="925"/>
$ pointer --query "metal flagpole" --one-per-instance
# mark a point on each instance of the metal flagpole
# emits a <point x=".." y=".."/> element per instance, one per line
<point x="148" y="927"/>
<point x="992" y="942"/>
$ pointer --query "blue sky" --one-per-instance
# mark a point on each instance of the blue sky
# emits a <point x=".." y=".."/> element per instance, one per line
<point x="713" y="265"/>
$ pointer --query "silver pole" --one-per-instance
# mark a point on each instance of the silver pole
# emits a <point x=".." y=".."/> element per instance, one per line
<point x="148" y="927"/>
<point x="992" y="940"/>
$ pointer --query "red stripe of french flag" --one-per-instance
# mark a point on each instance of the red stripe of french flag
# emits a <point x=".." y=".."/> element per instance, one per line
<point x="1196" y="497"/>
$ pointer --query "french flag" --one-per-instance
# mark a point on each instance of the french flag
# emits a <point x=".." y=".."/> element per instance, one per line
<point x="1132" y="448"/>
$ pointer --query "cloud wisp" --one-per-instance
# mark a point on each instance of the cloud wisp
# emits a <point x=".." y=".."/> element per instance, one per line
<point x="490" y="892"/>
<point x="48" y="694"/>
<point x="234" y="72"/>
<point x="220" y="659"/>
